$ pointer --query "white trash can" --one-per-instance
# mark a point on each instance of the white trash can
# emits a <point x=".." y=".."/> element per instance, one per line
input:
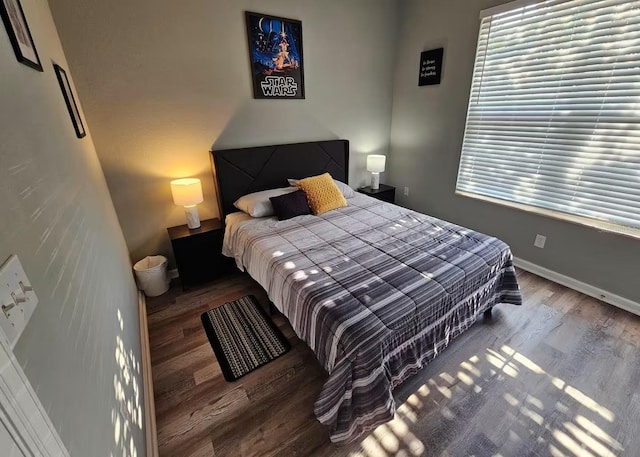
<point x="152" y="275"/>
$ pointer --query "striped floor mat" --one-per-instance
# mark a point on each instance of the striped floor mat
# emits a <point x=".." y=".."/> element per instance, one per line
<point x="243" y="337"/>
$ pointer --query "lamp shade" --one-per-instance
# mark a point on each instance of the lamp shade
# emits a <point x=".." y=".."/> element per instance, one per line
<point x="375" y="163"/>
<point x="186" y="192"/>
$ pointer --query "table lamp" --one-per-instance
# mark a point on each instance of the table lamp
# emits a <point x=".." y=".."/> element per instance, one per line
<point x="188" y="193"/>
<point x="375" y="164"/>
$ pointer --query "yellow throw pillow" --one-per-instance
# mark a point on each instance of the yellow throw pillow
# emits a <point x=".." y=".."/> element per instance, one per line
<point x="322" y="193"/>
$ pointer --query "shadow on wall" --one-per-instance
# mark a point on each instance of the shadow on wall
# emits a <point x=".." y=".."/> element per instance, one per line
<point x="265" y="122"/>
<point x="144" y="223"/>
<point x="253" y="123"/>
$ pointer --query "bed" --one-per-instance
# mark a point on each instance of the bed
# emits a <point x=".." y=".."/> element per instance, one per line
<point x="374" y="289"/>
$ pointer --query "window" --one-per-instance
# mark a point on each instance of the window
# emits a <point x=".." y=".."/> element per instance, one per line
<point x="553" y="124"/>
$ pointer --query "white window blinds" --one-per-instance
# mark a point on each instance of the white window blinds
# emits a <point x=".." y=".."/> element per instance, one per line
<point x="554" y="111"/>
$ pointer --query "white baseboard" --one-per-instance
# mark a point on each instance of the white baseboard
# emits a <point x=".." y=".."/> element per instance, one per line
<point x="587" y="289"/>
<point x="147" y="380"/>
<point x="173" y="274"/>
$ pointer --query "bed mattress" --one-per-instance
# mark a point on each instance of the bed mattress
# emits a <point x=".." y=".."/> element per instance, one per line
<point x="376" y="291"/>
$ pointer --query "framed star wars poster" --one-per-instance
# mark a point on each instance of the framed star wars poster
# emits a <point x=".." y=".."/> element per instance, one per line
<point x="275" y="53"/>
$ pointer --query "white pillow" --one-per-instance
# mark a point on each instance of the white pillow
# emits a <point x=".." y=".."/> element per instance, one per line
<point x="258" y="204"/>
<point x="347" y="191"/>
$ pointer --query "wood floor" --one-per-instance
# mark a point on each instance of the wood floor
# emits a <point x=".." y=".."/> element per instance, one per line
<point x="557" y="376"/>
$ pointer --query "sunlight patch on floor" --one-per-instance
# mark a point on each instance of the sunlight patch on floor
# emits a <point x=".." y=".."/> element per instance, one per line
<point x="572" y="435"/>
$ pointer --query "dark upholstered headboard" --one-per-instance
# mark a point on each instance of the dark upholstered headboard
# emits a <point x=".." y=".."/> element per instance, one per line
<point x="238" y="172"/>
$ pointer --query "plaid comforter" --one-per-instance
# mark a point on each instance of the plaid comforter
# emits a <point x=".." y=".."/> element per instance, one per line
<point x="376" y="291"/>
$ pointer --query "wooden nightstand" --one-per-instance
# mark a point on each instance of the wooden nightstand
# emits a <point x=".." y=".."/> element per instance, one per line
<point x="198" y="252"/>
<point x="384" y="193"/>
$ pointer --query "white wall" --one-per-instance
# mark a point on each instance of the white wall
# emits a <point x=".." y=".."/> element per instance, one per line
<point x="162" y="81"/>
<point x="57" y="216"/>
<point x="426" y="137"/>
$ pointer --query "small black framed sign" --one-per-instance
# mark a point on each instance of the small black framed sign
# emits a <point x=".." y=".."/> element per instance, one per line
<point x="19" y="33"/>
<point x="70" y="100"/>
<point x="275" y="53"/>
<point x="430" y="67"/>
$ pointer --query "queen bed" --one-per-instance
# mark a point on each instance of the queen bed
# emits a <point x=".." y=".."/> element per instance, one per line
<point x="374" y="289"/>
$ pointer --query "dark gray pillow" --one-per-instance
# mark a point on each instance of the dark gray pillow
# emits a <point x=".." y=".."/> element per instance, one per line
<point x="290" y="205"/>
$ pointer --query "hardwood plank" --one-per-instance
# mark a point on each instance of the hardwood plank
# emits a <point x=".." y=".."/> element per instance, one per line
<point x="175" y="434"/>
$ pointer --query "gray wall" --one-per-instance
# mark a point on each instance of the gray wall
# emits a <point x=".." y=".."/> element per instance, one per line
<point x="81" y="349"/>
<point x="161" y="81"/>
<point x="426" y="138"/>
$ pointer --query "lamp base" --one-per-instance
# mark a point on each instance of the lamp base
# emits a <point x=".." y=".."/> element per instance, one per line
<point x="193" y="218"/>
<point x="375" y="180"/>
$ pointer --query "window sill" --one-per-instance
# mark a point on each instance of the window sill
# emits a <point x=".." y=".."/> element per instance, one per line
<point x="602" y="226"/>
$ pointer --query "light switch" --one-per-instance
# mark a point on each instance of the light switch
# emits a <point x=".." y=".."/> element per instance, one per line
<point x="17" y="300"/>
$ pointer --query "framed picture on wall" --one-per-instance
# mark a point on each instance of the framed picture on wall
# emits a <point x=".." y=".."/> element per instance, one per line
<point x="19" y="33"/>
<point x="275" y="53"/>
<point x="70" y="100"/>
<point x="431" y="67"/>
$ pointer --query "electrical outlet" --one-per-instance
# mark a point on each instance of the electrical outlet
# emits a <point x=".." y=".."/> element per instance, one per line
<point x="406" y="191"/>
<point x="540" y="241"/>
<point x="17" y="299"/>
